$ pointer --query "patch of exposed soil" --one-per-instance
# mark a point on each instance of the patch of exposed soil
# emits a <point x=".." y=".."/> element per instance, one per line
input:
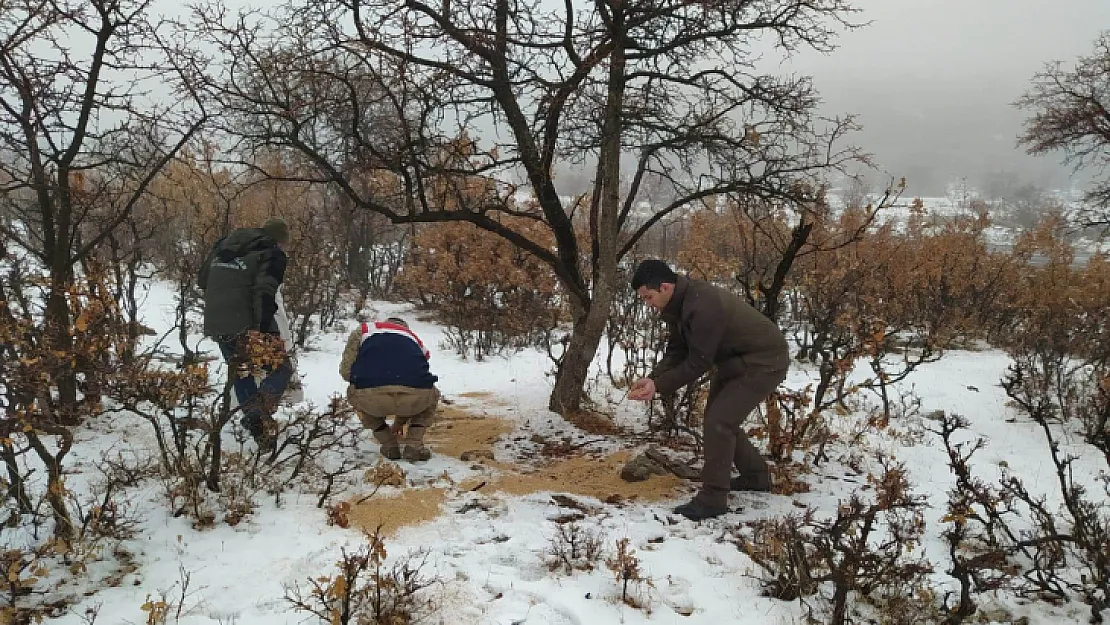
<point x="591" y="477"/>
<point x="411" y="506"/>
<point x="457" y="430"/>
<point x="485" y="397"/>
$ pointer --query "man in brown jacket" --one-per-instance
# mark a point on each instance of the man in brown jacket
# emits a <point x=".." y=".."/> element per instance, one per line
<point x="387" y="367"/>
<point x="713" y="328"/>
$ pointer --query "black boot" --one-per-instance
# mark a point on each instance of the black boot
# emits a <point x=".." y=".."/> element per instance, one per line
<point x="695" y="510"/>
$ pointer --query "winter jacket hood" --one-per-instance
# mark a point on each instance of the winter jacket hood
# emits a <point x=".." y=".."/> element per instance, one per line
<point x="242" y="241"/>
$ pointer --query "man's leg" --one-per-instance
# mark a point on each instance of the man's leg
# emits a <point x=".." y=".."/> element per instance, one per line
<point x="254" y="418"/>
<point x="372" y="407"/>
<point x="274" y="384"/>
<point x="419" y="405"/>
<point x="755" y="475"/>
<point x="263" y="399"/>
<point x="241" y="381"/>
<point x="725" y="442"/>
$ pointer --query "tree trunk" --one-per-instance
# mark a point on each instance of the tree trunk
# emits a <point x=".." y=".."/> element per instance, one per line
<point x="585" y="338"/>
<point x="212" y="477"/>
<point x="589" y="328"/>
<point x="219" y="420"/>
<point x="60" y="339"/>
<point x="840" y="606"/>
<point x="17" y="490"/>
<point x="189" y="357"/>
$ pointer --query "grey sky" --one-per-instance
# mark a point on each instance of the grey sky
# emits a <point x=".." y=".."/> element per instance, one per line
<point x="933" y="80"/>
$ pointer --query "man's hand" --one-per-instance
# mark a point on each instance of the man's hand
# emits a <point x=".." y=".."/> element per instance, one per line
<point x="642" y="390"/>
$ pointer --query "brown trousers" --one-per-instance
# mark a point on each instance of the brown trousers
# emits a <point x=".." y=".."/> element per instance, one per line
<point x="414" y="406"/>
<point x="730" y="403"/>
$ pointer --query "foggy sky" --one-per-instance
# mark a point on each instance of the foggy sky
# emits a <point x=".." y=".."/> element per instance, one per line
<point x="933" y="82"/>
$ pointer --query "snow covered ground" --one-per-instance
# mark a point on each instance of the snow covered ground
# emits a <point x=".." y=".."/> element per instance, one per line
<point x="487" y="549"/>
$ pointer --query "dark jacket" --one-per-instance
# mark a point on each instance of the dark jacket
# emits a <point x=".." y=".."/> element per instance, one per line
<point x="385" y="354"/>
<point x="240" y="279"/>
<point x="711" y="326"/>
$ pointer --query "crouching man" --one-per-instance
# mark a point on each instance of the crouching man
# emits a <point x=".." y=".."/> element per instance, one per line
<point x="386" y="365"/>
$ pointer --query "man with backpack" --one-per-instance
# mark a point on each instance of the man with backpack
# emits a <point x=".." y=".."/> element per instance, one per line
<point x="240" y="280"/>
<point x="387" y="367"/>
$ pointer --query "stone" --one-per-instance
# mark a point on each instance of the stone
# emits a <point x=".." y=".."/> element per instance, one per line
<point x="686" y="472"/>
<point x="640" y="468"/>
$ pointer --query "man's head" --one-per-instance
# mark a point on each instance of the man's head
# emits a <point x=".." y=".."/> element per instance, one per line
<point x="278" y="229"/>
<point x="654" y="282"/>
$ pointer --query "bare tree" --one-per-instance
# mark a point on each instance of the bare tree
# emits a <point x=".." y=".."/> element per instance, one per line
<point x="82" y="134"/>
<point x="383" y="98"/>
<point x="1071" y="113"/>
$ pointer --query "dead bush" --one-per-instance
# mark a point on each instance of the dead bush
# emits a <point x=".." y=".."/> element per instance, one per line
<point x="862" y="558"/>
<point x="491" y="295"/>
<point x="978" y="534"/>
<point x="105" y="513"/>
<point x="367" y="590"/>
<point x="574" y="547"/>
<point x="625" y="566"/>
<point x="1004" y="536"/>
<point x="1059" y="380"/>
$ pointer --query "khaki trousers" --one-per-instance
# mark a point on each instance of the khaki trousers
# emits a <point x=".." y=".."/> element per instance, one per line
<point x="412" y="406"/>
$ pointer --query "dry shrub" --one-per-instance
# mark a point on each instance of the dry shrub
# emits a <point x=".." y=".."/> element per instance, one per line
<point x="368" y="590"/>
<point x="1005" y="536"/>
<point x="633" y="331"/>
<point x="1061" y="375"/>
<point x="790" y="425"/>
<point x="1059" y="337"/>
<point x="34" y="418"/>
<point x="894" y="296"/>
<point x="1001" y="535"/>
<point x="490" y="294"/>
<point x="743" y="242"/>
<point x="574" y="547"/>
<point x="37" y="432"/>
<point x="625" y="566"/>
<point x="864" y="555"/>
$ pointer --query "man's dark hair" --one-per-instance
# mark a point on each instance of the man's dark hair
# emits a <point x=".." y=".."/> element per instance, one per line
<point x="652" y="273"/>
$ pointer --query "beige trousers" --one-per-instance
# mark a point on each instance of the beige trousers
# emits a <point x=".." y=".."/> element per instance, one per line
<point x="412" y="406"/>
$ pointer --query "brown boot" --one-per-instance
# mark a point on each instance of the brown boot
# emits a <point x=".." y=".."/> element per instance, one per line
<point x="414" y="449"/>
<point x="389" y="447"/>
